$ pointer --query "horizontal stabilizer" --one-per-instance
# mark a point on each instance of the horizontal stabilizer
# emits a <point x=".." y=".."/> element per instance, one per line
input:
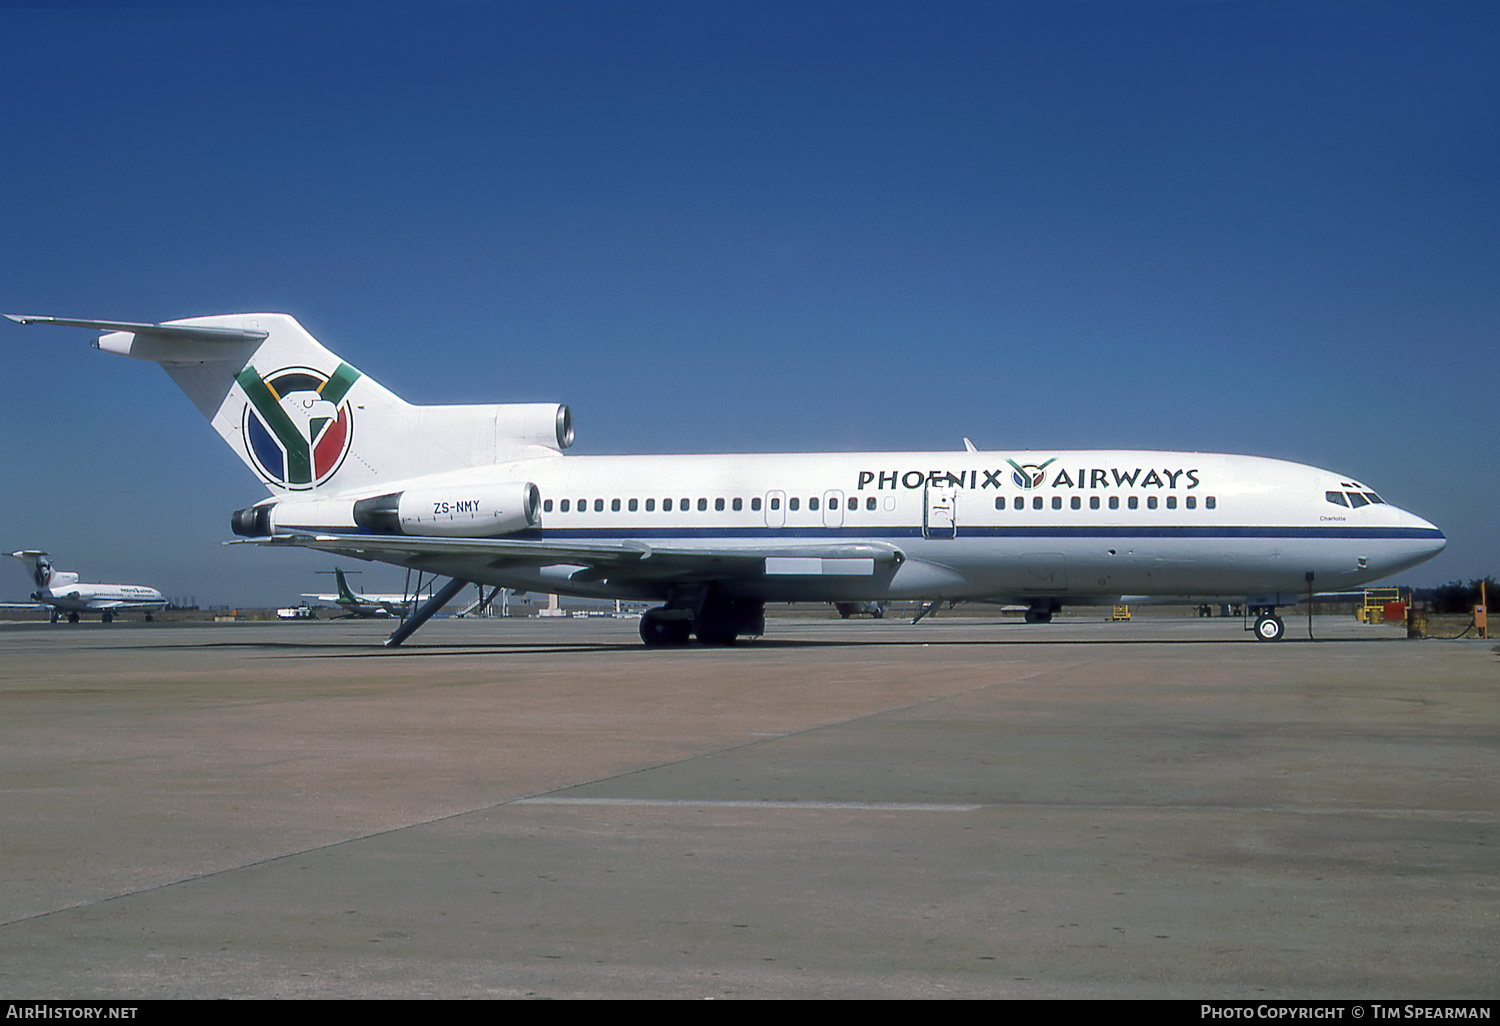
<point x="183" y="332"/>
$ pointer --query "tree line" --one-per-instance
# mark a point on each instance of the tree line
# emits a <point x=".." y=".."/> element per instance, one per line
<point x="1458" y="597"/>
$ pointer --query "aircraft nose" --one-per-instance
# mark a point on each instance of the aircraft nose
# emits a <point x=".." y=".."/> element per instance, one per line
<point x="1432" y="539"/>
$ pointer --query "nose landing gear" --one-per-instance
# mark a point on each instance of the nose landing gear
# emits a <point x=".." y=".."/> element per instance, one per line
<point x="1268" y="626"/>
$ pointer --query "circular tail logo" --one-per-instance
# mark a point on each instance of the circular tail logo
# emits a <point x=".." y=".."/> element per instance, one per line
<point x="298" y="423"/>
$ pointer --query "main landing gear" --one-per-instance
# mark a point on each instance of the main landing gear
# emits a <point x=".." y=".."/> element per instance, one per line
<point x="661" y="627"/>
<point x="715" y="621"/>
<point x="1041" y="611"/>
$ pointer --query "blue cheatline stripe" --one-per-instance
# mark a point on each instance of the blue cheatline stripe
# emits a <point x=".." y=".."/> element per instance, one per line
<point x="703" y="533"/>
<point x="1382" y="533"/>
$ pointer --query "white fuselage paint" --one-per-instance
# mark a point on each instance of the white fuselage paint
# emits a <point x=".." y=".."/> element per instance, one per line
<point x="82" y="598"/>
<point x="1256" y="527"/>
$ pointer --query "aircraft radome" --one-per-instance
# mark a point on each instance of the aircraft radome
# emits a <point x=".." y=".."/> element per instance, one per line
<point x="61" y="591"/>
<point x="484" y="494"/>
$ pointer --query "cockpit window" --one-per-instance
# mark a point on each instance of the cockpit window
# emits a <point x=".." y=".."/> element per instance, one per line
<point x="1337" y="498"/>
<point x="1373" y="497"/>
<point x="1357" y="500"/>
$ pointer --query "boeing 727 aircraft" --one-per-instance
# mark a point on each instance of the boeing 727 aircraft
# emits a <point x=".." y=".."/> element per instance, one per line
<point x="485" y="494"/>
<point x="61" y="590"/>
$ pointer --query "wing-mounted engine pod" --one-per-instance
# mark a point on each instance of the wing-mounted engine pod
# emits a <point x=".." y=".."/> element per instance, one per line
<point x="453" y="511"/>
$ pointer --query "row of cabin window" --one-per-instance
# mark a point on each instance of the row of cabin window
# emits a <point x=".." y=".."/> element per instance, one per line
<point x="1131" y="502"/>
<point x="794" y="504"/>
<point x="684" y="505"/>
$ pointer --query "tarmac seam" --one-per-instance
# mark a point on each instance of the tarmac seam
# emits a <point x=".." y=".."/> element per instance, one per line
<point x="520" y="799"/>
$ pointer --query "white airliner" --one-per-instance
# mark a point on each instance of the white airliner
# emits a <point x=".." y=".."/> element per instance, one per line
<point x="484" y="494"/>
<point x="361" y="604"/>
<point x="61" y="590"/>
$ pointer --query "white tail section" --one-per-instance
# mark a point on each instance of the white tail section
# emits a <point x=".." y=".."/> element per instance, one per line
<point x="42" y="574"/>
<point x="303" y="420"/>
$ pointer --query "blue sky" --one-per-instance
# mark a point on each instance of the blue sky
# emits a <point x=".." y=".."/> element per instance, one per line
<point x="1243" y="227"/>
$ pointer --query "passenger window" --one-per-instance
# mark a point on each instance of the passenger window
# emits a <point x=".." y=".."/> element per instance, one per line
<point x="666" y="505"/>
<point x="685" y="505"/>
<point x="1114" y="502"/>
<point x="563" y="506"/>
<point x="1210" y="502"/>
<point x="792" y="504"/>
<point x="870" y="504"/>
<point x="999" y="502"/>
<point x="547" y="506"/>
<point x="1077" y="503"/>
<point x="1337" y="498"/>
<point x="833" y="503"/>
<point x="812" y="503"/>
<point x="702" y="505"/>
<point x="650" y="505"/>
<point x="755" y="504"/>
<point x="1171" y="502"/>
<point x="739" y="504"/>
<point x="1036" y="503"/>
<point x="1150" y="502"/>
<point x="1093" y="502"/>
<point x="598" y="505"/>
<point x="634" y="505"/>
<point x="775" y="503"/>
<point x="614" y="505"/>
<point x="1192" y="502"/>
<point x="1057" y="502"/>
<point x="1134" y="502"/>
<point x="718" y="505"/>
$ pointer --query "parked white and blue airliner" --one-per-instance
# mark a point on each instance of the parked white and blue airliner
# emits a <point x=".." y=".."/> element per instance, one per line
<point x="63" y="594"/>
<point x="484" y="494"/>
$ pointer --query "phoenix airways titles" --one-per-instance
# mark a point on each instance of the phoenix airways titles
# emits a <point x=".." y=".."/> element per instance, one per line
<point x="1031" y="476"/>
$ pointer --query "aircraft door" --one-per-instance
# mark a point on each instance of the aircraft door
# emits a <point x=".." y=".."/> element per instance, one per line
<point x="775" y="508"/>
<point x="939" y="512"/>
<point x="833" y="508"/>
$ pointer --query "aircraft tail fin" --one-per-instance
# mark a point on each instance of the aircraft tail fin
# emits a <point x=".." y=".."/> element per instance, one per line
<point x="39" y="565"/>
<point x="345" y="592"/>
<point x="303" y="419"/>
<point x="42" y="573"/>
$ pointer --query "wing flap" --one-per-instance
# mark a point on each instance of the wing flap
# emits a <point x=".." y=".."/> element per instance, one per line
<point x="598" y="559"/>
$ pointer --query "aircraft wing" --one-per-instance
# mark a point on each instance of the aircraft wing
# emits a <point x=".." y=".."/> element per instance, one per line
<point x="612" y="559"/>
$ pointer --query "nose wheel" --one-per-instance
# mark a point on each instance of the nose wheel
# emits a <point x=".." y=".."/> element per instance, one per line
<point x="1269" y="628"/>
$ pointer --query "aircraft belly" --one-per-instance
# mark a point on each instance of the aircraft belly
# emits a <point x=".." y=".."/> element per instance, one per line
<point x="1069" y="569"/>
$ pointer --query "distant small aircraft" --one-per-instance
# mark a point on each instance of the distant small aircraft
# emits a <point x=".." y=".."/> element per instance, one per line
<point x="60" y="591"/>
<point x="363" y="605"/>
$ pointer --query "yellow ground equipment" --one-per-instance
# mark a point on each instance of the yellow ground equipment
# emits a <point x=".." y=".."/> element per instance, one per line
<point x="1382" y="605"/>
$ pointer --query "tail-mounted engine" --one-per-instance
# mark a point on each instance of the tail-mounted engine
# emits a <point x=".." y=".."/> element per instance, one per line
<point x="451" y="511"/>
